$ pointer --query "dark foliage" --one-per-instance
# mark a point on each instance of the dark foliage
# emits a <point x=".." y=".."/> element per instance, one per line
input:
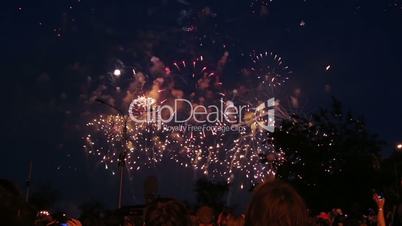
<point x="332" y="158"/>
<point x="210" y="193"/>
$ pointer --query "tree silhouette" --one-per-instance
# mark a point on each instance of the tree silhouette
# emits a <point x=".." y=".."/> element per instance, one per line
<point x="332" y="158"/>
<point x="92" y="213"/>
<point x="44" y="197"/>
<point x="210" y="193"/>
<point x="13" y="209"/>
<point x="391" y="178"/>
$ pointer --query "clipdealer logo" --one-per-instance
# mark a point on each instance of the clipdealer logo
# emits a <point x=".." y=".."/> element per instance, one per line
<point x="269" y="115"/>
<point x="145" y="110"/>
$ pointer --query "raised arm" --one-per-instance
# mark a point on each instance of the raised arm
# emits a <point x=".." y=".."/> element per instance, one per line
<point x="380" y="204"/>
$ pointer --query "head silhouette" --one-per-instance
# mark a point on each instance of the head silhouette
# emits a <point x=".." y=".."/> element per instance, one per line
<point x="166" y="212"/>
<point x="276" y="204"/>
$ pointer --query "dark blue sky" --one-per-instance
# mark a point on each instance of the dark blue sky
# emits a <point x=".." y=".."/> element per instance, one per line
<point x="50" y="47"/>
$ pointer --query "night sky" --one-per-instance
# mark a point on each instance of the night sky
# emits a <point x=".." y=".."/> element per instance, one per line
<point x="349" y="49"/>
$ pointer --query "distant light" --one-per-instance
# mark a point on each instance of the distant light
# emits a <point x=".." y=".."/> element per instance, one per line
<point x="302" y="23"/>
<point x="328" y="67"/>
<point x="399" y="146"/>
<point x="117" y="72"/>
<point x="43" y="213"/>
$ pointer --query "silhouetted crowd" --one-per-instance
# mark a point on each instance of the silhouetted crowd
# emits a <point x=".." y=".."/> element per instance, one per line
<point x="274" y="203"/>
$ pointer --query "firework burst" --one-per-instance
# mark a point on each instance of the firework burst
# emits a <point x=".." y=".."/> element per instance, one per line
<point x="194" y="77"/>
<point x="270" y="69"/>
<point x="219" y="149"/>
<point x="106" y="139"/>
<point x="253" y="157"/>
